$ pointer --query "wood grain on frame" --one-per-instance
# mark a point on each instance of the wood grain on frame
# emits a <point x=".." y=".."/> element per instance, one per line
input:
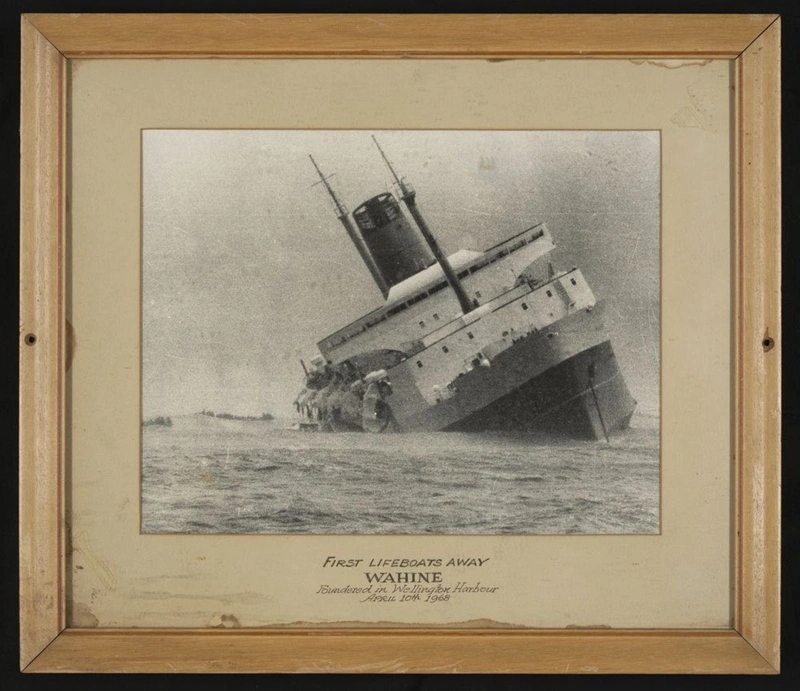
<point x="752" y="646"/>
<point x="41" y="351"/>
<point x="394" y="35"/>
<point x="759" y="345"/>
<point x="574" y="652"/>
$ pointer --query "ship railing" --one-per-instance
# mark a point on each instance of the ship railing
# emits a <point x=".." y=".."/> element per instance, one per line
<point x="538" y="231"/>
<point x="528" y="288"/>
<point x="367" y="322"/>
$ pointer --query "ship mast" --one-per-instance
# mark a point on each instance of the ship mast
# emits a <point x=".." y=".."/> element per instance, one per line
<point x="344" y="217"/>
<point x="409" y="197"/>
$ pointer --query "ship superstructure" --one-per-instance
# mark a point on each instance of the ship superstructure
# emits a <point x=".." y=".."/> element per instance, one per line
<point x="491" y="339"/>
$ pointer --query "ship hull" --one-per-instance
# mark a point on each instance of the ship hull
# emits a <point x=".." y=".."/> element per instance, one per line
<point x="561" y="380"/>
<point x="563" y="401"/>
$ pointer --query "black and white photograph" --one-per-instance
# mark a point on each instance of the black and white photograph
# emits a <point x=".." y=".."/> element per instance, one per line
<point x="400" y="332"/>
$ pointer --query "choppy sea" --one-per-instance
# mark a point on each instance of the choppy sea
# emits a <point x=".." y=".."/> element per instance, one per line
<point x="209" y="475"/>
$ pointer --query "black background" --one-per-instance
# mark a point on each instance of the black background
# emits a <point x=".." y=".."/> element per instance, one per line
<point x="9" y="237"/>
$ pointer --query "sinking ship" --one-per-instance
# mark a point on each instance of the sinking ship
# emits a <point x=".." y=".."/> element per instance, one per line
<point x="479" y="340"/>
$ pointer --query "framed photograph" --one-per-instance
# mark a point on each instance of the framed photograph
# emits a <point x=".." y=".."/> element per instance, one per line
<point x="462" y="362"/>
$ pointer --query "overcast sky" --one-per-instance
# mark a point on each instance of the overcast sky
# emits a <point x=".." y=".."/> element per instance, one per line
<point x="246" y="266"/>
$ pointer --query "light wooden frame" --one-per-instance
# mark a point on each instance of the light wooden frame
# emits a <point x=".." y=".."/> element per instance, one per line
<point x="751" y="41"/>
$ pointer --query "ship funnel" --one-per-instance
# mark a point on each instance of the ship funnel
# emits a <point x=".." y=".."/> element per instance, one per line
<point x="355" y="237"/>
<point x="395" y="246"/>
<point x="409" y="197"/>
